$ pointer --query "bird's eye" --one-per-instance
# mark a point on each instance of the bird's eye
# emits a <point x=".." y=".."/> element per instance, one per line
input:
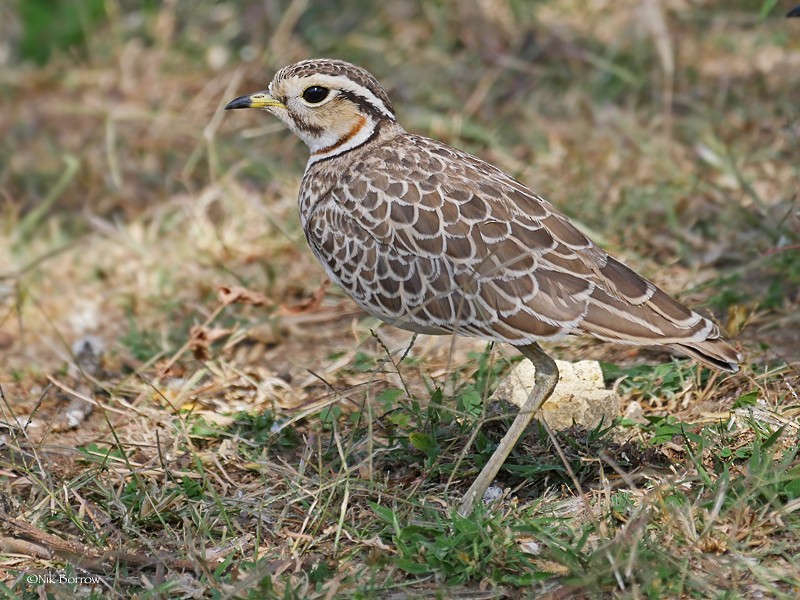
<point x="315" y="94"/>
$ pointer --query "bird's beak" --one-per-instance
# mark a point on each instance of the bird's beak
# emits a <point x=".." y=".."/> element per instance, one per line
<point x="257" y="100"/>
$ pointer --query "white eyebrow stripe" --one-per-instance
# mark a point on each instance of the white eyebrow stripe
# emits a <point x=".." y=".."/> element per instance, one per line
<point x="343" y="83"/>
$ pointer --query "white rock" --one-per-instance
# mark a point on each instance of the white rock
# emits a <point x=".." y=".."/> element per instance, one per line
<point x="580" y="396"/>
<point x="492" y="493"/>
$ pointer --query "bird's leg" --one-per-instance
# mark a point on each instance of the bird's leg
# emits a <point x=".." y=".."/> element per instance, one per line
<point x="544" y="382"/>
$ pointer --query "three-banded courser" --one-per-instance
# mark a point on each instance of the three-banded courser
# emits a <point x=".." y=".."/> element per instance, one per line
<point x="431" y="239"/>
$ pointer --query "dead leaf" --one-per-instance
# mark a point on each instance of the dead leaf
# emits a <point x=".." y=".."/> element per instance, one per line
<point x="376" y="542"/>
<point x="201" y="338"/>
<point x="239" y="295"/>
<point x="549" y="566"/>
<point x="169" y="368"/>
<point x="308" y="305"/>
<point x="6" y="339"/>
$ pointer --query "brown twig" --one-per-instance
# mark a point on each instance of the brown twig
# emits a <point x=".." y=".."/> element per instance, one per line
<point x="18" y="531"/>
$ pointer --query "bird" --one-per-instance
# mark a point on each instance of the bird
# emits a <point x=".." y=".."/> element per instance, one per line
<point x="431" y="239"/>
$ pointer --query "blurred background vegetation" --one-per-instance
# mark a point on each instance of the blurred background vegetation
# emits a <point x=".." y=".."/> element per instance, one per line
<point x="669" y="129"/>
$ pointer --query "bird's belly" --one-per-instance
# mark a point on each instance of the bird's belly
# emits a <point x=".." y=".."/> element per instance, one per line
<point x="404" y="320"/>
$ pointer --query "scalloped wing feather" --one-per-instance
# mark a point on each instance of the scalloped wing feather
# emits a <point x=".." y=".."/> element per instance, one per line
<point x="435" y="240"/>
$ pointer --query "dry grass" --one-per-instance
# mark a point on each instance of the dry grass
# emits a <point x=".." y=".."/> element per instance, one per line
<point x="267" y="440"/>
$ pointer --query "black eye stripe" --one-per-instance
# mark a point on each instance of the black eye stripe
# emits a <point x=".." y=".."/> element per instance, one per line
<point x="364" y="103"/>
<point x="315" y="94"/>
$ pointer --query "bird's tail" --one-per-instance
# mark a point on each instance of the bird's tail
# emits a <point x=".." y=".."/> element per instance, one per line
<point x="715" y="352"/>
<point x="628" y="309"/>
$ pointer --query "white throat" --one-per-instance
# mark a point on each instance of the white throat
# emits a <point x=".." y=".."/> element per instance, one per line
<point x="336" y="142"/>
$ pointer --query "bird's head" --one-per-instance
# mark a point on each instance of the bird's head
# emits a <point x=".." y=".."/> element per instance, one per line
<point x="331" y="105"/>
